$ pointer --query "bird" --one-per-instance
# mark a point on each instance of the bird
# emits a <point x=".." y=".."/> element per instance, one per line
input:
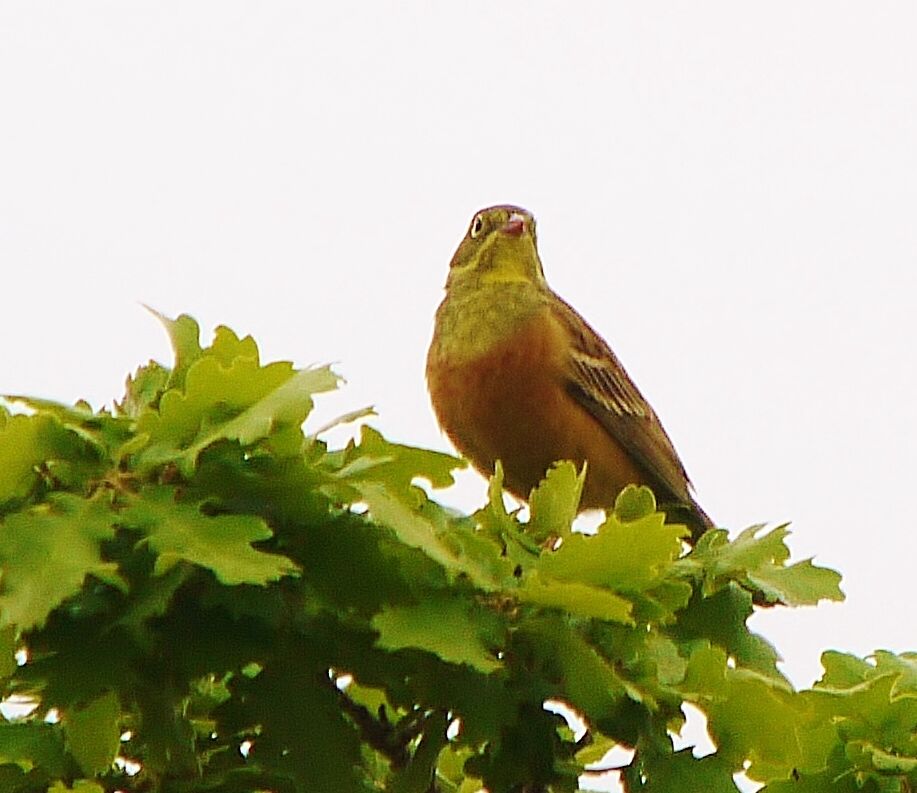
<point x="516" y="375"/>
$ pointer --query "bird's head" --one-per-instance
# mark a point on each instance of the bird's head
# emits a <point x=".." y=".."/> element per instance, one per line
<point x="500" y="246"/>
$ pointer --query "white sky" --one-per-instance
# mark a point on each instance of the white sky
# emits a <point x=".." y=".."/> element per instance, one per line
<point x="726" y="191"/>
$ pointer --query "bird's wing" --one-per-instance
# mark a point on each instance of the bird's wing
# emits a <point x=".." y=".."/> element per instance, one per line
<point x="599" y="383"/>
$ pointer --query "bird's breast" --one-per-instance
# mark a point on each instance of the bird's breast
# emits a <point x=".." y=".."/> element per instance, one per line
<point x="511" y="403"/>
<point x="505" y="403"/>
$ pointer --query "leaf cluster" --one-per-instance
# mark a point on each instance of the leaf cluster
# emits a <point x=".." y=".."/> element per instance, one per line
<point x="197" y="596"/>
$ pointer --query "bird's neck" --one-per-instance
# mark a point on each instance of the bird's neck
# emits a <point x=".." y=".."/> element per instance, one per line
<point x="475" y="317"/>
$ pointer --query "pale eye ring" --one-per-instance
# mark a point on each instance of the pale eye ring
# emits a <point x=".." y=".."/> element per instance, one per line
<point x="476" y="226"/>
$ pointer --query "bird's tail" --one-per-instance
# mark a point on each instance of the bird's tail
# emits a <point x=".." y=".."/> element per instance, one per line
<point x="692" y="515"/>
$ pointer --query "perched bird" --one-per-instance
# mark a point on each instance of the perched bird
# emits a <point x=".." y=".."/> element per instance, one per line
<point x="516" y="375"/>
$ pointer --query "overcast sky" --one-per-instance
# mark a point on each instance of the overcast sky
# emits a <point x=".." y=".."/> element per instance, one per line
<point x="727" y="191"/>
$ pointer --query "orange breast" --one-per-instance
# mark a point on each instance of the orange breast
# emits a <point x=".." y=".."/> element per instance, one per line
<point x="511" y="404"/>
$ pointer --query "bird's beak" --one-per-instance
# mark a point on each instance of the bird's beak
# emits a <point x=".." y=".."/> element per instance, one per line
<point x="515" y="225"/>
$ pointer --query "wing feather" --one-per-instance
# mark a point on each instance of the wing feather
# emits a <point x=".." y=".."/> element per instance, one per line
<point x="599" y="382"/>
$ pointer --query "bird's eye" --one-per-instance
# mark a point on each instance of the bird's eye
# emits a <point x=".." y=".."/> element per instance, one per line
<point x="476" y="225"/>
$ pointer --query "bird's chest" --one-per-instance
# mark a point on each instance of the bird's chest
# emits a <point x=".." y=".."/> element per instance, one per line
<point x="497" y="403"/>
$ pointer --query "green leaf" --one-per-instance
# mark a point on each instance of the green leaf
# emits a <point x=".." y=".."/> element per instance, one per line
<point x="503" y="528"/>
<point x="670" y="666"/>
<point x="486" y="562"/>
<point x="904" y="665"/>
<point x="8" y="647"/>
<point x="221" y="543"/>
<point x="46" y="553"/>
<point x="26" y="442"/>
<point x="623" y="556"/>
<point x="589" y="682"/>
<point x="595" y="750"/>
<point x="143" y="389"/>
<point x="398" y="466"/>
<point x="872" y="713"/>
<point x="93" y="733"/>
<point x="30" y="745"/>
<point x="417" y="776"/>
<point x="302" y="735"/>
<point x="494" y="513"/>
<point x="747" y="551"/>
<point x="373" y="699"/>
<point x="242" y="402"/>
<point x="757" y="721"/>
<point x="750" y="716"/>
<point x="576" y="598"/>
<point x="79" y="786"/>
<point x="843" y="670"/>
<point x="759" y="562"/>
<point x="706" y="675"/>
<point x="448" y="627"/>
<point x="346" y="418"/>
<point x="152" y="598"/>
<point x="824" y="781"/>
<point x="227" y="346"/>
<point x="864" y="753"/>
<point x="634" y="502"/>
<point x="555" y="502"/>
<point x="721" y="619"/>
<point x="287" y="405"/>
<point x="83" y="443"/>
<point x="450" y="771"/>
<point x="185" y="335"/>
<point x="682" y="771"/>
<point x="223" y="393"/>
<point x="416" y="529"/>
<point x="800" y="584"/>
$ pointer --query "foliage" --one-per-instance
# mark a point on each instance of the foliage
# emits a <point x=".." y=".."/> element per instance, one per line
<point x="206" y="599"/>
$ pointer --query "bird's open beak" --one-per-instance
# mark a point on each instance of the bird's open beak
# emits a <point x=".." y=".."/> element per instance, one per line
<point x="515" y="225"/>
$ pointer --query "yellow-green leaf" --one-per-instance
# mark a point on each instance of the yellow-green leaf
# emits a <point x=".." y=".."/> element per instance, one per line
<point x="93" y="733"/>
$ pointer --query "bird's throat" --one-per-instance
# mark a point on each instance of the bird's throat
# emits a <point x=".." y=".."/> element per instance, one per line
<point x="472" y="320"/>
